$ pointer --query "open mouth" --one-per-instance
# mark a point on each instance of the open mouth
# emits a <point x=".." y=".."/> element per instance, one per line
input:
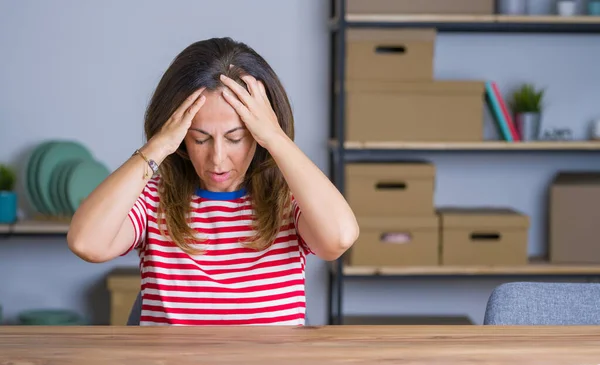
<point x="219" y="176"/>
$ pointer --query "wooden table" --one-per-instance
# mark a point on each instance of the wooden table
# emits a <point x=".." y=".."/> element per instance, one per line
<point x="309" y="345"/>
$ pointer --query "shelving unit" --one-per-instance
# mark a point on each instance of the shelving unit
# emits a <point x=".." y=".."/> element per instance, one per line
<point x="476" y="23"/>
<point x="535" y="267"/>
<point x="34" y="228"/>
<point x="343" y="151"/>
<point x="470" y="146"/>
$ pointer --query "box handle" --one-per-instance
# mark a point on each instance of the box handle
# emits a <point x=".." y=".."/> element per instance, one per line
<point x="390" y="49"/>
<point x="395" y="237"/>
<point x="390" y="186"/>
<point x="485" y="236"/>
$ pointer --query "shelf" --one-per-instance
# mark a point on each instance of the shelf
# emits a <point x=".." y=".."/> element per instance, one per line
<point x="535" y="268"/>
<point x="472" y="146"/>
<point x="34" y="228"/>
<point x="479" y="23"/>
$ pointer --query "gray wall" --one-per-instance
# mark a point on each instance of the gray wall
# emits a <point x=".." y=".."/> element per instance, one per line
<point x="85" y="70"/>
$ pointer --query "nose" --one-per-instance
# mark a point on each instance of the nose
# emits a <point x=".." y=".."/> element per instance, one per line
<point x="218" y="152"/>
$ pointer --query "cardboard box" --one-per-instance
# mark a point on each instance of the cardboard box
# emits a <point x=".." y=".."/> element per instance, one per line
<point x="401" y="7"/>
<point x="436" y="111"/>
<point x="124" y="285"/>
<point x="575" y="218"/>
<point x="391" y="189"/>
<point x="396" y="241"/>
<point x="483" y="236"/>
<point x="390" y="54"/>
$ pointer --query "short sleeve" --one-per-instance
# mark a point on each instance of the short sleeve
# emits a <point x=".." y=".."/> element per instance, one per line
<point x="138" y="217"/>
<point x="297" y="213"/>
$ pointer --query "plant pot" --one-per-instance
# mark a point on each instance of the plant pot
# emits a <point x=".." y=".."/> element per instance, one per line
<point x="512" y="7"/>
<point x="528" y="126"/>
<point x="566" y="7"/>
<point x="8" y="207"/>
<point x="594" y="7"/>
<point x="540" y="7"/>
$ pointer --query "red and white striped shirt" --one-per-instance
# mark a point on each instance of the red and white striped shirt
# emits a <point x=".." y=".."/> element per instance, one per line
<point x="228" y="284"/>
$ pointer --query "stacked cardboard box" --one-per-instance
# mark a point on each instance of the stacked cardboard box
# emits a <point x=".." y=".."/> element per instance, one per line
<point x="392" y="94"/>
<point x="400" y="225"/>
<point x="483" y="236"/>
<point x="423" y="7"/>
<point x="395" y="210"/>
<point x="574" y="218"/>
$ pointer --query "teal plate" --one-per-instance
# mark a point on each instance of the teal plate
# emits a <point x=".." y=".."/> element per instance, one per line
<point x="53" y="156"/>
<point x="83" y="179"/>
<point x="31" y="176"/>
<point x="50" y="317"/>
<point x="57" y="182"/>
<point x="62" y="187"/>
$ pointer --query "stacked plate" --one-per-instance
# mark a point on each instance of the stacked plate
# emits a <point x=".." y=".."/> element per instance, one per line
<point x="59" y="175"/>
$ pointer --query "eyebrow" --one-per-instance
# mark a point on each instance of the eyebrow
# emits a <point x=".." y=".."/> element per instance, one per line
<point x="208" y="134"/>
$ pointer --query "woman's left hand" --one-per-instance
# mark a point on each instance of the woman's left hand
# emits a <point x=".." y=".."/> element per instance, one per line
<point x="253" y="108"/>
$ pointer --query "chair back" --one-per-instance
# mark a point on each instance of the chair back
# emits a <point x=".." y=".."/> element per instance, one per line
<point x="527" y="303"/>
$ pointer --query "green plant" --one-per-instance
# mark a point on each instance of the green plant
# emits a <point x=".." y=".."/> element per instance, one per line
<point x="8" y="177"/>
<point x="527" y="99"/>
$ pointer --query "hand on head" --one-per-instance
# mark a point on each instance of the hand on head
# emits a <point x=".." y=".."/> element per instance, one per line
<point x="253" y="107"/>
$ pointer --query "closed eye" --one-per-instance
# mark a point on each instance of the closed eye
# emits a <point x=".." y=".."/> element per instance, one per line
<point x="235" y="140"/>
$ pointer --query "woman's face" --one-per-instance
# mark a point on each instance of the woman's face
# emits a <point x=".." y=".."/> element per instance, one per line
<point x="219" y="145"/>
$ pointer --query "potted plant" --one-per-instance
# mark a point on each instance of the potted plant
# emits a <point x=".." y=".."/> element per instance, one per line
<point x="526" y="105"/>
<point x="8" y="197"/>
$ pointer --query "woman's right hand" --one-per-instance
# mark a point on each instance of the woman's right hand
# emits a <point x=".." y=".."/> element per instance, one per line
<point x="175" y="129"/>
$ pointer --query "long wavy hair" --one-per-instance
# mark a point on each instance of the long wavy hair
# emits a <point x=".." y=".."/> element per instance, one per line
<point x="200" y="65"/>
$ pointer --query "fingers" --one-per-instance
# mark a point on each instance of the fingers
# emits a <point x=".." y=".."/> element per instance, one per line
<point x="252" y="85"/>
<point x="236" y="104"/>
<point x="263" y="91"/>
<point x="241" y="93"/>
<point x="188" y="102"/>
<point x="193" y="109"/>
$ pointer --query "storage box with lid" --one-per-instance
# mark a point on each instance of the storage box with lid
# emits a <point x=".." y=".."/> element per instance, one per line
<point x="436" y="111"/>
<point x="423" y="7"/>
<point x="396" y="241"/>
<point x="390" y="54"/>
<point x="483" y="236"/>
<point x="391" y="189"/>
<point x="574" y="219"/>
<point x="124" y="285"/>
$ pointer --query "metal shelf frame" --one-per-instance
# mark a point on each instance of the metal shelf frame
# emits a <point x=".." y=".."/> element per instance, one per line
<point x="339" y="155"/>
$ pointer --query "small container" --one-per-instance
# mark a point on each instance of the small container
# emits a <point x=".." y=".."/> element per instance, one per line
<point x="540" y="7"/>
<point x="567" y="8"/>
<point x="595" y="130"/>
<point x="8" y="207"/>
<point x="594" y="7"/>
<point x="512" y="7"/>
<point x="528" y="126"/>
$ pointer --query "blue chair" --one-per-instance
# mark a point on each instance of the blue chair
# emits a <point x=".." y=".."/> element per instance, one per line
<point x="533" y="304"/>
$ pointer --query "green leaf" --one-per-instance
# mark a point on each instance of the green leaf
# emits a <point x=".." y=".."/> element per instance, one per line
<point x="8" y="178"/>
<point x="527" y="99"/>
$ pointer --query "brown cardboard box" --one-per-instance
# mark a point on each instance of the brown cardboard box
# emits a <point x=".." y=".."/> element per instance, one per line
<point x="483" y="236"/>
<point x="396" y="241"/>
<point x="124" y="285"/>
<point x="436" y="111"/>
<point x="391" y="189"/>
<point x="575" y="218"/>
<point x="390" y="54"/>
<point x="481" y="7"/>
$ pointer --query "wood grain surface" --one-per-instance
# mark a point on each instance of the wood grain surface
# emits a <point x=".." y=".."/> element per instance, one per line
<point x="300" y="345"/>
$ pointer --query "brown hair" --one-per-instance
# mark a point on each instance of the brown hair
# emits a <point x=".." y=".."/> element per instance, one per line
<point x="200" y="65"/>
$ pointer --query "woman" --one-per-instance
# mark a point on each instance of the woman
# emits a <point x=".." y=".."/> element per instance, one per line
<point x="220" y="204"/>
